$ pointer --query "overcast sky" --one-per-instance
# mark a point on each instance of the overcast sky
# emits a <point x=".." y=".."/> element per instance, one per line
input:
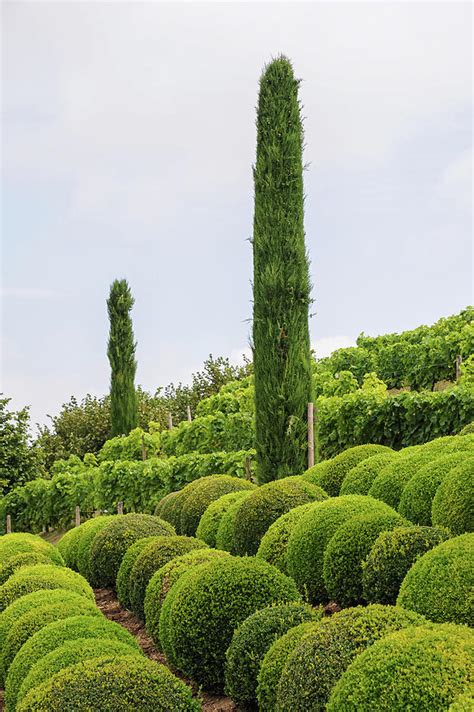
<point x="128" y="142"/>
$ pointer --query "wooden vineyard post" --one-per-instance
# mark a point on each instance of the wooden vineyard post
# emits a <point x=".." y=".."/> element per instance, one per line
<point x="310" y="435"/>
<point x="248" y="468"/>
<point x="9" y="524"/>
<point x="170" y="421"/>
<point x="78" y="516"/>
<point x="458" y="367"/>
<point x="119" y="507"/>
<point x="188" y="410"/>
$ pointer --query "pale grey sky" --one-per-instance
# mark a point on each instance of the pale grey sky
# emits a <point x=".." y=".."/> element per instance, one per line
<point x="128" y="142"/>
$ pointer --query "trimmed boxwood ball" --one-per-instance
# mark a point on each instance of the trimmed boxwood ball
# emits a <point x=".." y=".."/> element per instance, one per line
<point x="122" y="583"/>
<point x="110" y="544"/>
<point x="360" y="478"/>
<point x="439" y="585"/>
<point x="333" y="475"/>
<point x="321" y="657"/>
<point x="225" y="530"/>
<point x="16" y="562"/>
<point x="207" y="604"/>
<point x="422" y="669"/>
<point x="156" y="554"/>
<point x="309" y="538"/>
<point x="71" y="653"/>
<point x="392" y="556"/>
<point x="273" y="664"/>
<point x="263" y="507"/>
<point x="127" y="683"/>
<point x="173" y="509"/>
<point x="53" y="636"/>
<point x="274" y="542"/>
<point x="162" y="580"/>
<point x="39" y="576"/>
<point x="252" y="640"/>
<point x="467" y="430"/>
<point x="453" y="505"/>
<point x="347" y="550"/>
<point x="210" y="520"/>
<point x="314" y="474"/>
<point x="463" y="703"/>
<point x="67" y="546"/>
<point x="82" y="547"/>
<point x="23" y="543"/>
<point x="207" y="490"/>
<point x="163" y="506"/>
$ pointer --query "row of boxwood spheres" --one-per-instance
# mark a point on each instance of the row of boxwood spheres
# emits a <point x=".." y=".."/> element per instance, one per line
<point x="21" y="549"/>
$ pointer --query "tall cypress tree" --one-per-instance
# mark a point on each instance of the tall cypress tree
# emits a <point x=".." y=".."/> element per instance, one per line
<point x="281" y="284"/>
<point x="121" y="353"/>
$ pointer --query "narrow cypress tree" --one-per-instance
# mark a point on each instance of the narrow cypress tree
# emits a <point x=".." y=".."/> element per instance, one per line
<point x="121" y="353"/>
<point x="281" y="284"/>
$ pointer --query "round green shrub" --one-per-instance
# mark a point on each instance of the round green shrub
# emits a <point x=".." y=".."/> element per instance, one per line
<point x="274" y="542"/>
<point x="53" y="636"/>
<point x="156" y="554"/>
<point x="210" y="520"/>
<point x="207" y="490"/>
<point x="252" y="640"/>
<point x="127" y="683"/>
<point x="162" y="581"/>
<point x="273" y="664"/>
<point x="71" y="653"/>
<point x="321" y="657"/>
<point x="440" y="584"/>
<point x="309" y="538"/>
<point x="467" y="430"/>
<point x="66" y="546"/>
<point x="33" y="578"/>
<point x="111" y="543"/>
<point x="173" y="509"/>
<point x="333" y="475"/>
<point x="225" y="530"/>
<point x="32" y="621"/>
<point x="421" y="669"/>
<point x="22" y="543"/>
<point x="359" y="480"/>
<point x="391" y="557"/>
<point x="347" y="550"/>
<point x="418" y="494"/>
<point x="314" y="474"/>
<point x="207" y="604"/>
<point x="84" y="544"/>
<point x="265" y="505"/>
<point x="122" y="583"/>
<point x="16" y="562"/>
<point x="453" y="505"/>
<point x="463" y="703"/>
<point x="162" y="509"/>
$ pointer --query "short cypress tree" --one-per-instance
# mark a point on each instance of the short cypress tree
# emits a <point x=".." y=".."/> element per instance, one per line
<point x="121" y="353"/>
<point x="281" y="284"/>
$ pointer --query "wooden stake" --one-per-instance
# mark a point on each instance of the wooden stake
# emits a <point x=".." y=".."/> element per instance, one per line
<point x="9" y="524"/>
<point x="310" y="435"/>
<point x="458" y="367"/>
<point x="119" y="507"/>
<point x="170" y="421"/>
<point x="188" y="409"/>
<point x="78" y="516"/>
<point x="248" y="468"/>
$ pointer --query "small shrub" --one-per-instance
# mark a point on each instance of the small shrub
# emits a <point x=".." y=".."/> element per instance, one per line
<point x="40" y="576"/>
<point x="162" y="581"/>
<point x="360" y="478"/>
<point x="84" y="544"/>
<point x="314" y="474"/>
<point x="110" y="544"/>
<point x="453" y="505"/>
<point x="333" y="475"/>
<point x="422" y="668"/>
<point x="20" y="543"/>
<point x="321" y="657"/>
<point x="14" y="563"/>
<point x="53" y="636"/>
<point x="273" y="664"/>
<point x="439" y="585"/>
<point x="205" y="491"/>
<point x="210" y="520"/>
<point x="173" y="509"/>
<point x="207" y="604"/>
<point x="123" y="577"/>
<point x="252" y="640"/>
<point x="309" y="538"/>
<point x="347" y="550"/>
<point x="156" y="554"/>
<point x="225" y="530"/>
<point x="274" y="542"/>
<point x="163" y="507"/>
<point x="67" y="546"/>
<point x="463" y="703"/>
<point x="391" y="557"/>
<point x="389" y="484"/>
<point x="467" y="430"/>
<point x="109" y="683"/>
<point x="263" y="507"/>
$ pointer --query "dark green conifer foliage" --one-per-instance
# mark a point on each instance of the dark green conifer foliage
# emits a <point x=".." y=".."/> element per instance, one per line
<point x="281" y="287"/>
<point x="121" y="353"/>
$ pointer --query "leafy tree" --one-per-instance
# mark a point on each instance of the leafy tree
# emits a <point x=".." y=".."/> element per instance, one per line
<point x="121" y="353"/>
<point x="19" y="461"/>
<point x="282" y="360"/>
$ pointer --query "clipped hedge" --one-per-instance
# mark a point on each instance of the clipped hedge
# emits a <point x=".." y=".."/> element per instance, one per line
<point x="332" y="476"/>
<point x="84" y="544"/>
<point x="252" y="640"/>
<point x="274" y="543"/>
<point x="110" y="544"/>
<point x="156" y="554"/>
<point x="16" y="562"/>
<point x="323" y="654"/>
<point x="453" y="505"/>
<point x="22" y="543"/>
<point x="346" y="552"/>
<point x="311" y="535"/>
<point x="273" y="664"/>
<point x="265" y="505"/>
<point x="207" y="604"/>
<point x="360" y="478"/>
<point x="467" y="430"/>
<point x="439" y="585"/>
<point x="67" y="546"/>
<point x="210" y="520"/>
<point x="392" y="556"/>
<point x="314" y="474"/>
<point x="422" y="668"/>
<point x="225" y="530"/>
<point x="164" y="506"/>
<point x="123" y="577"/>
<point x="205" y="491"/>
<point x="110" y="683"/>
<point x="42" y="576"/>
<point x="53" y="636"/>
